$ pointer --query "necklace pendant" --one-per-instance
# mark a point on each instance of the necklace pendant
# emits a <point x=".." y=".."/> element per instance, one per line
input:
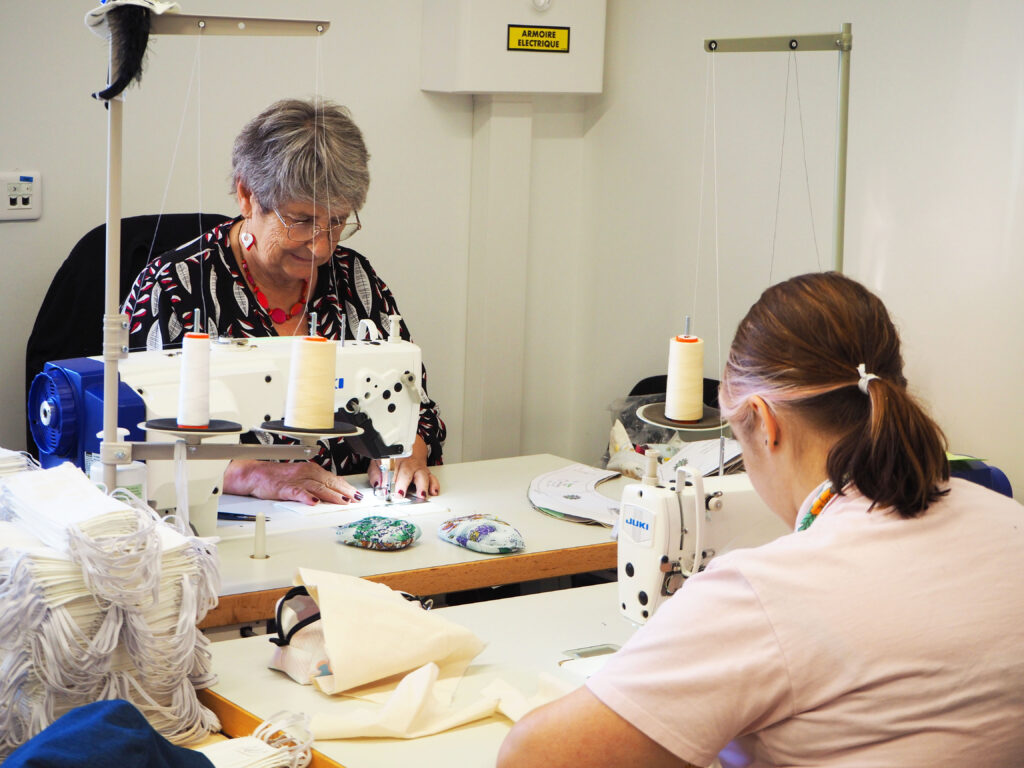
<point x="278" y="315"/>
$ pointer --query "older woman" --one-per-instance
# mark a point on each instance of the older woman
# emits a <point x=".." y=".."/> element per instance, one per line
<point x="300" y="175"/>
<point x="885" y="631"/>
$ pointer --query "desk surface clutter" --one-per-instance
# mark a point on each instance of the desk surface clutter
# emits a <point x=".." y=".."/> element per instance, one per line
<point x="572" y="619"/>
<point x="250" y="587"/>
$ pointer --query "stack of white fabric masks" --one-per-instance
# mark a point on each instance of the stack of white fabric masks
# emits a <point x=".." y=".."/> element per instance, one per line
<point x="99" y="599"/>
<point x="12" y="462"/>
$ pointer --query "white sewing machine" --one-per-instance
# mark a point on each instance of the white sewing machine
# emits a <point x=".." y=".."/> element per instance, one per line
<point x="377" y="389"/>
<point x="666" y="534"/>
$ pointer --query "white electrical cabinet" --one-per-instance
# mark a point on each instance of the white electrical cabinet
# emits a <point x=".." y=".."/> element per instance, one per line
<point x="513" y="46"/>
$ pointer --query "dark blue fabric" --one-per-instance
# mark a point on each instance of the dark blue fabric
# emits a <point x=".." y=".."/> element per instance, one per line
<point x="103" y="734"/>
<point x="979" y="472"/>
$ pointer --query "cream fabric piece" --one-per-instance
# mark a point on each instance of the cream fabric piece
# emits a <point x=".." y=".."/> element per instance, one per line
<point x="414" y="709"/>
<point x="368" y="629"/>
<point x="514" y="704"/>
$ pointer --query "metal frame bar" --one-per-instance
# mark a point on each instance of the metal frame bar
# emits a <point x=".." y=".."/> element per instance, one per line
<point x="842" y="43"/>
<point x="181" y="24"/>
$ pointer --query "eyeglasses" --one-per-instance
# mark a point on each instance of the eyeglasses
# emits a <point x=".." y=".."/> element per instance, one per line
<point x="304" y="231"/>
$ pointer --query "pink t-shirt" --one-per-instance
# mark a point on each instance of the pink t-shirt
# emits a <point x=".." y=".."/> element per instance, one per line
<point x="866" y="640"/>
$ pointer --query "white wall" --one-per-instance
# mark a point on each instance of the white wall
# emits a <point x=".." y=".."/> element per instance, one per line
<point x="935" y="212"/>
<point x="935" y="219"/>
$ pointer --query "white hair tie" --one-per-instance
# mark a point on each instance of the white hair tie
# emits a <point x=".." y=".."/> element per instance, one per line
<point x="865" y="377"/>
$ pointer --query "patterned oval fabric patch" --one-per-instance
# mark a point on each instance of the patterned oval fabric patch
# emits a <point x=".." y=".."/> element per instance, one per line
<point x="482" y="533"/>
<point x="379" y="532"/>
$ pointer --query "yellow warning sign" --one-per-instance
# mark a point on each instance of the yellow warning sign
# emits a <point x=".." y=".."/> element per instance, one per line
<point x="543" y="39"/>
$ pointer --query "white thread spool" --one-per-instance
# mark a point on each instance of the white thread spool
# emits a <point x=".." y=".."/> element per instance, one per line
<point x="684" y="392"/>
<point x="194" y="392"/>
<point x="310" y="401"/>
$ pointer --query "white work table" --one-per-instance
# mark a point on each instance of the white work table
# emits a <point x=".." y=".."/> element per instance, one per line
<point x="525" y="636"/>
<point x="250" y="588"/>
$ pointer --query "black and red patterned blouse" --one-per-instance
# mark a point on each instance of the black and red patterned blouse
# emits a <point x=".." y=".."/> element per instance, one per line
<point x="203" y="274"/>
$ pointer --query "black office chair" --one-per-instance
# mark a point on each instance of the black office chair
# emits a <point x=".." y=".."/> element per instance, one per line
<point x="658" y="385"/>
<point x="70" y="319"/>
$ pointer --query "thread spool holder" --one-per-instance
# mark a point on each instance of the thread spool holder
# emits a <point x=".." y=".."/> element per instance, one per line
<point x="340" y="429"/>
<point x="842" y="43"/>
<point x="654" y="414"/>
<point x="115" y="327"/>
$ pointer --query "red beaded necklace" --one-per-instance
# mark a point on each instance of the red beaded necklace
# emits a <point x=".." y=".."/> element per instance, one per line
<point x="277" y="314"/>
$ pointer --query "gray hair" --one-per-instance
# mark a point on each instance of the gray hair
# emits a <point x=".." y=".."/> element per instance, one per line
<point x="303" y="151"/>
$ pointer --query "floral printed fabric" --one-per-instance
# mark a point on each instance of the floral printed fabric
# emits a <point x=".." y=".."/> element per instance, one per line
<point x="379" y="532"/>
<point x="482" y="533"/>
<point x="203" y="275"/>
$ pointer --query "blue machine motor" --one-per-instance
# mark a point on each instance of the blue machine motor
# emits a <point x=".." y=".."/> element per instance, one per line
<point x="65" y="411"/>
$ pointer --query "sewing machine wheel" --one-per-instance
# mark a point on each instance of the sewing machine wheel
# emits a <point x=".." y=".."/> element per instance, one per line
<point x="52" y="413"/>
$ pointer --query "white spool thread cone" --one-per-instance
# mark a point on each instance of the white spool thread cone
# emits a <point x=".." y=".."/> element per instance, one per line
<point x="684" y="392"/>
<point x="310" y="400"/>
<point x="194" y="392"/>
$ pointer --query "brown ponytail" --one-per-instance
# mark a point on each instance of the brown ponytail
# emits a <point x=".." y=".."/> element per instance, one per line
<point x="798" y="348"/>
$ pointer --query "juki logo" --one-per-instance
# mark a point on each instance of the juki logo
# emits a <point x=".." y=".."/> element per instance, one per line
<point x="638" y="524"/>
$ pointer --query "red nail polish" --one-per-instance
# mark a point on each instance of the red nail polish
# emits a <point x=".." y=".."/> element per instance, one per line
<point x="401" y="493"/>
<point x="359" y="496"/>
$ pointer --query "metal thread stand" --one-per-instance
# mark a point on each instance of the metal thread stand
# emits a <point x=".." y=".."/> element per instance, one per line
<point x="842" y="43"/>
<point x="113" y="450"/>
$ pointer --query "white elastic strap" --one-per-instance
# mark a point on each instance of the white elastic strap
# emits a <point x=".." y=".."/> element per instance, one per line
<point x="181" y="482"/>
<point x="289" y="731"/>
<point x="865" y="377"/>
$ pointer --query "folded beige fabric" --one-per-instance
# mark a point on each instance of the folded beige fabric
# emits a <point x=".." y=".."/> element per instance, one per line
<point x="371" y="632"/>
<point x="514" y="704"/>
<point x="414" y="709"/>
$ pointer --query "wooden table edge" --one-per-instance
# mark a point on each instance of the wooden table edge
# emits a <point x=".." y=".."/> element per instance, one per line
<point x="246" y="607"/>
<point x="236" y="722"/>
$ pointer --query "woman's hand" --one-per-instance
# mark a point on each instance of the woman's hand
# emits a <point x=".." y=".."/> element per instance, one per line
<point x="302" y="481"/>
<point x="410" y="471"/>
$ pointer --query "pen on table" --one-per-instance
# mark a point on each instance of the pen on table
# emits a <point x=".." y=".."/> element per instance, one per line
<point x="236" y="516"/>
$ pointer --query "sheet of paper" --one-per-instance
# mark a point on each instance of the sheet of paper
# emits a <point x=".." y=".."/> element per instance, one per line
<point x="573" y="491"/>
<point x="701" y="455"/>
<point x="397" y="507"/>
<point x="285" y="516"/>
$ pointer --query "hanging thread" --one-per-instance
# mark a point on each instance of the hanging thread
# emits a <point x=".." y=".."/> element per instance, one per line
<point x="807" y="173"/>
<point x="792" y="64"/>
